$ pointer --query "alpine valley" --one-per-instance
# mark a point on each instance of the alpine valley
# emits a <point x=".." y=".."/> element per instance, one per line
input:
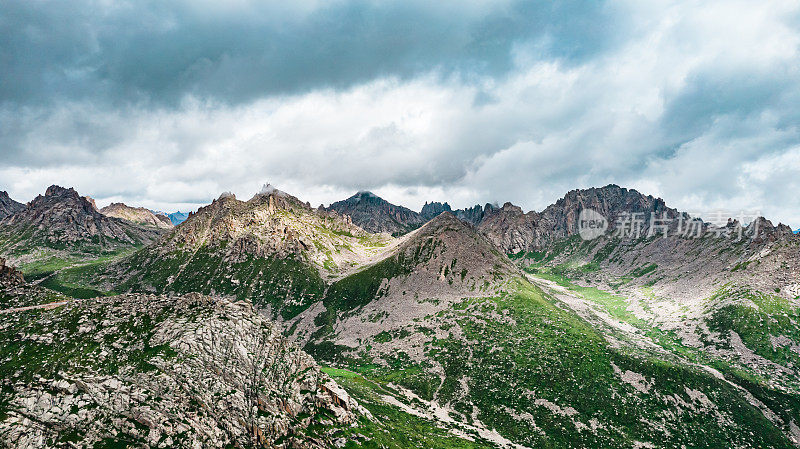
<point x="271" y="323"/>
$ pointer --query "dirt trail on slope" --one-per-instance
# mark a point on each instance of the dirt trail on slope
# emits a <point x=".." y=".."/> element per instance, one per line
<point x="48" y="306"/>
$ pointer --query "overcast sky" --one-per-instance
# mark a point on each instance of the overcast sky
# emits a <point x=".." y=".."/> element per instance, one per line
<point x="168" y="104"/>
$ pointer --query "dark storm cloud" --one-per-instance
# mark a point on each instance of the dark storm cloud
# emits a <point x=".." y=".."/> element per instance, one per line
<point x="160" y="51"/>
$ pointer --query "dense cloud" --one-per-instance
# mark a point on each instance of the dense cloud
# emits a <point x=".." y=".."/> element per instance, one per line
<point x="158" y="52"/>
<point x="166" y="105"/>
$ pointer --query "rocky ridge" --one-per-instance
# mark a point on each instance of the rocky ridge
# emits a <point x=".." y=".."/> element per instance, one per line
<point x="138" y="215"/>
<point x="486" y="353"/>
<point x="433" y="209"/>
<point x="514" y="231"/>
<point x="444" y="317"/>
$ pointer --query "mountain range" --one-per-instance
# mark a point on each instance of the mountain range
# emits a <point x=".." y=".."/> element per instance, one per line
<point x="384" y="327"/>
<point x="175" y="218"/>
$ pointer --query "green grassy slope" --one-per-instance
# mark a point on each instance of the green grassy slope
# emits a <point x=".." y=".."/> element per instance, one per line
<point x="543" y="377"/>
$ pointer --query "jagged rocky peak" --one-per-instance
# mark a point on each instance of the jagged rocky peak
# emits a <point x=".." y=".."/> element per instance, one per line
<point x="513" y="230"/>
<point x="276" y="199"/>
<point x="269" y="189"/>
<point x="473" y="215"/>
<point x="610" y="201"/>
<point x="270" y="224"/>
<point x="138" y="215"/>
<point x="56" y="196"/>
<point x="431" y="210"/>
<point x="56" y="190"/>
<point x="62" y="216"/>
<point x="92" y="202"/>
<point x="366" y="196"/>
<point x="510" y="208"/>
<point x="763" y="230"/>
<point x="226" y="195"/>
<point x="374" y="214"/>
<point x="8" y="206"/>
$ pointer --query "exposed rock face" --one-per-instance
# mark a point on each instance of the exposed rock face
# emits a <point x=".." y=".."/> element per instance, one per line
<point x="8" y="206"/>
<point x="610" y="201"/>
<point x="473" y="215"/>
<point x="514" y="231"/>
<point x="149" y="371"/>
<point x="766" y="231"/>
<point x="441" y="311"/>
<point x="275" y="224"/>
<point x="374" y="214"/>
<point x="9" y="276"/>
<point x="138" y="215"/>
<point x="447" y="257"/>
<point x="62" y="217"/>
<point x="432" y="210"/>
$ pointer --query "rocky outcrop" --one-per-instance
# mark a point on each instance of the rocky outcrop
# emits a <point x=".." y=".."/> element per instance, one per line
<point x="432" y="210"/>
<point x="9" y="276"/>
<point x="514" y="231"/>
<point x="149" y="371"/>
<point x="8" y="206"/>
<point x="473" y="215"/>
<point x="764" y="231"/>
<point x="374" y="214"/>
<point x="138" y="215"/>
<point x="272" y="224"/>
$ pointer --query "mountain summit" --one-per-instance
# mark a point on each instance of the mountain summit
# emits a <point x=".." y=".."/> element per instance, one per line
<point x="374" y="214"/>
